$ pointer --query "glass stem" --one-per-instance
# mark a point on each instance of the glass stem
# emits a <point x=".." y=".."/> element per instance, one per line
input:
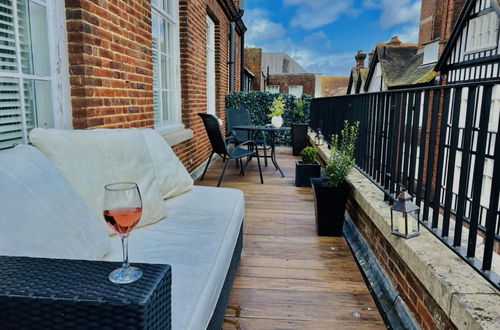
<point x="125" y="251"/>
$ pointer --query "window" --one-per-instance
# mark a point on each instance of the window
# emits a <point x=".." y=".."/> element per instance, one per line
<point x="296" y="90"/>
<point x="431" y="52"/>
<point x="483" y="32"/>
<point x="210" y="66"/>
<point x="166" y="71"/>
<point x="275" y="89"/>
<point x="28" y="79"/>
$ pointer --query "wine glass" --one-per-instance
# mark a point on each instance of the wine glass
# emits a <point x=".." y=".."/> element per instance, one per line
<point x="122" y="211"/>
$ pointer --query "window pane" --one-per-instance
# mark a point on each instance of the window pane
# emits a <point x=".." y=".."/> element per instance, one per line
<point x="169" y="39"/>
<point x="33" y="37"/>
<point x="166" y="106"/>
<point x="38" y="104"/>
<point x="162" y="35"/>
<point x="11" y="128"/>
<point x="169" y="6"/>
<point x="7" y="38"/>
<point x="165" y="86"/>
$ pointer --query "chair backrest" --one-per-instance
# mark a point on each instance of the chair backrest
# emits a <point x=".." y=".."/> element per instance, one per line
<point x="238" y="117"/>
<point x="214" y="133"/>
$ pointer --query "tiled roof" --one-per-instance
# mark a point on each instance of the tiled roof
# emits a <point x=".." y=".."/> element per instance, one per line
<point x="334" y="86"/>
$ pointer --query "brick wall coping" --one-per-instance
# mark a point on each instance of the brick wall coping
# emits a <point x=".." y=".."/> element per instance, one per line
<point x="469" y="300"/>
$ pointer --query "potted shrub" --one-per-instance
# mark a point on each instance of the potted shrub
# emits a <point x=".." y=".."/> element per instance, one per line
<point x="331" y="192"/>
<point x="307" y="168"/>
<point x="277" y="110"/>
<point x="299" y="128"/>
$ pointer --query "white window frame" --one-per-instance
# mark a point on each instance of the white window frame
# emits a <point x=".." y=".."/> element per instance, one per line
<point x="273" y="89"/>
<point x="481" y="27"/>
<point x="59" y="66"/>
<point x="210" y="57"/>
<point x="431" y="52"/>
<point x="164" y="126"/>
<point x="298" y="87"/>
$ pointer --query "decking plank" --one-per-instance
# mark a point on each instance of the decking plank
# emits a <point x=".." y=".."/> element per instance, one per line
<point x="289" y="278"/>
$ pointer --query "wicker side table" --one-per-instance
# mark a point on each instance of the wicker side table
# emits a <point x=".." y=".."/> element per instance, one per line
<point x="39" y="293"/>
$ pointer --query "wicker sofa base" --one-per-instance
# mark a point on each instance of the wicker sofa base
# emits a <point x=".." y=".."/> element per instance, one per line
<point x="220" y="310"/>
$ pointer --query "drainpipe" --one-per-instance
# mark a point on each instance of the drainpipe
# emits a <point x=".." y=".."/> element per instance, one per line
<point x="242" y="69"/>
<point x="232" y="32"/>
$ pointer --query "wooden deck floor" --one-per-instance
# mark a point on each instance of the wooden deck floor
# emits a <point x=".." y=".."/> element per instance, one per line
<point x="288" y="277"/>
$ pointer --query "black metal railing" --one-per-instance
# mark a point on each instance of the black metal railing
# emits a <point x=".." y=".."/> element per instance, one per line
<point x="439" y="142"/>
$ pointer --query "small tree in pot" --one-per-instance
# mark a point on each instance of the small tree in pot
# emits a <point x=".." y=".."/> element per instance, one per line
<point x="299" y="128"/>
<point x="331" y="193"/>
<point x="307" y="168"/>
<point x="277" y="110"/>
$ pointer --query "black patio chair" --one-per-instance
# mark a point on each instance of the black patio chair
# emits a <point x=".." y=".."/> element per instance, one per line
<point x="241" y="117"/>
<point x="220" y="147"/>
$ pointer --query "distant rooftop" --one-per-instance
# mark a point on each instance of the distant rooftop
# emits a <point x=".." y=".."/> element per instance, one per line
<point x="279" y="63"/>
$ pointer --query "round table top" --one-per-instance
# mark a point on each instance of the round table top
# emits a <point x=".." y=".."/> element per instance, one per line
<point x="262" y="128"/>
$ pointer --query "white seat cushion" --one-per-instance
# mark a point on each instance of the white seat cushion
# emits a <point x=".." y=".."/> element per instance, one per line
<point x="198" y="241"/>
<point x="171" y="174"/>
<point x="41" y="215"/>
<point x="90" y="159"/>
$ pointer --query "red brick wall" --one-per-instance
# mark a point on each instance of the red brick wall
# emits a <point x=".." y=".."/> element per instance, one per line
<point x="426" y="311"/>
<point x="440" y="17"/>
<point x="253" y="61"/>
<point x="109" y="48"/>
<point x="284" y="81"/>
<point x="193" y="72"/>
<point x="111" y="70"/>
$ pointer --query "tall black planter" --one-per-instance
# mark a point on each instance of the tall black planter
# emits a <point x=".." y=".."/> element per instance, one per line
<point x="304" y="173"/>
<point x="330" y="204"/>
<point x="299" y="138"/>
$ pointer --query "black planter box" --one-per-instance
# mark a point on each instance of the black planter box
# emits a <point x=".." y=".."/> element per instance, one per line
<point x="330" y="204"/>
<point x="299" y="138"/>
<point x="304" y="173"/>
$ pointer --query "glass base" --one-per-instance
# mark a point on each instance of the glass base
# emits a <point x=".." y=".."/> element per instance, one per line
<point x="125" y="275"/>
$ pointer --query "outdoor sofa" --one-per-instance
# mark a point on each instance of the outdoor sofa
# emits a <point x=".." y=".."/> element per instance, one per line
<point x="51" y="197"/>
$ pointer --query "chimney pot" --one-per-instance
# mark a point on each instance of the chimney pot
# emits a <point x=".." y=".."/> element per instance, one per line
<point x="360" y="59"/>
<point x="395" y="41"/>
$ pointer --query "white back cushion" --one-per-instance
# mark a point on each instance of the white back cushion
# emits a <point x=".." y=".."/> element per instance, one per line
<point x="171" y="174"/>
<point x="41" y="215"/>
<point x="90" y="159"/>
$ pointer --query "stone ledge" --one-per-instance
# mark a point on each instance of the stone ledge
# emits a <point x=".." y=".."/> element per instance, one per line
<point x="469" y="300"/>
<point x="177" y="137"/>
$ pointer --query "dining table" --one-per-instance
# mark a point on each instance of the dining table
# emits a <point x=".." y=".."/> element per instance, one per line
<point x="270" y="131"/>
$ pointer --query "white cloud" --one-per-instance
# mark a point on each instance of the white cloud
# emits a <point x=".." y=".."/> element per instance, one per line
<point x="260" y="27"/>
<point x="313" y="14"/>
<point x="409" y="34"/>
<point x="313" y="59"/>
<point x="396" y="12"/>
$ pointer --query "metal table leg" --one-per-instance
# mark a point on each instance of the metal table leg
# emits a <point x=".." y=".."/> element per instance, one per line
<point x="273" y="154"/>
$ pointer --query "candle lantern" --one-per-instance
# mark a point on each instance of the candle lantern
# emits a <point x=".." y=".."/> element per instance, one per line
<point x="402" y="222"/>
<point x="319" y="138"/>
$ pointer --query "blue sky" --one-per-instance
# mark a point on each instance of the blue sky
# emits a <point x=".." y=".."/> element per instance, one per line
<point x="324" y="35"/>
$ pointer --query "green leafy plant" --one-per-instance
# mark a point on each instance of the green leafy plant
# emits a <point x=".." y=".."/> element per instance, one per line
<point x="342" y="154"/>
<point x="258" y="104"/>
<point x="298" y="112"/>
<point x="277" y="108"/>
<point x="308" y="155"/>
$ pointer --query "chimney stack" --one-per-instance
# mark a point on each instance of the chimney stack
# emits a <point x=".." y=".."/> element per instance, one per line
<point x="394" y="41"/>
<point x="360" y="59"/>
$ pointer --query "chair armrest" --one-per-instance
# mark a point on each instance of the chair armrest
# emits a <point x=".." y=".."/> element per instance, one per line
<point x="247" y="143"/>
<point x="57" y="293"/>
